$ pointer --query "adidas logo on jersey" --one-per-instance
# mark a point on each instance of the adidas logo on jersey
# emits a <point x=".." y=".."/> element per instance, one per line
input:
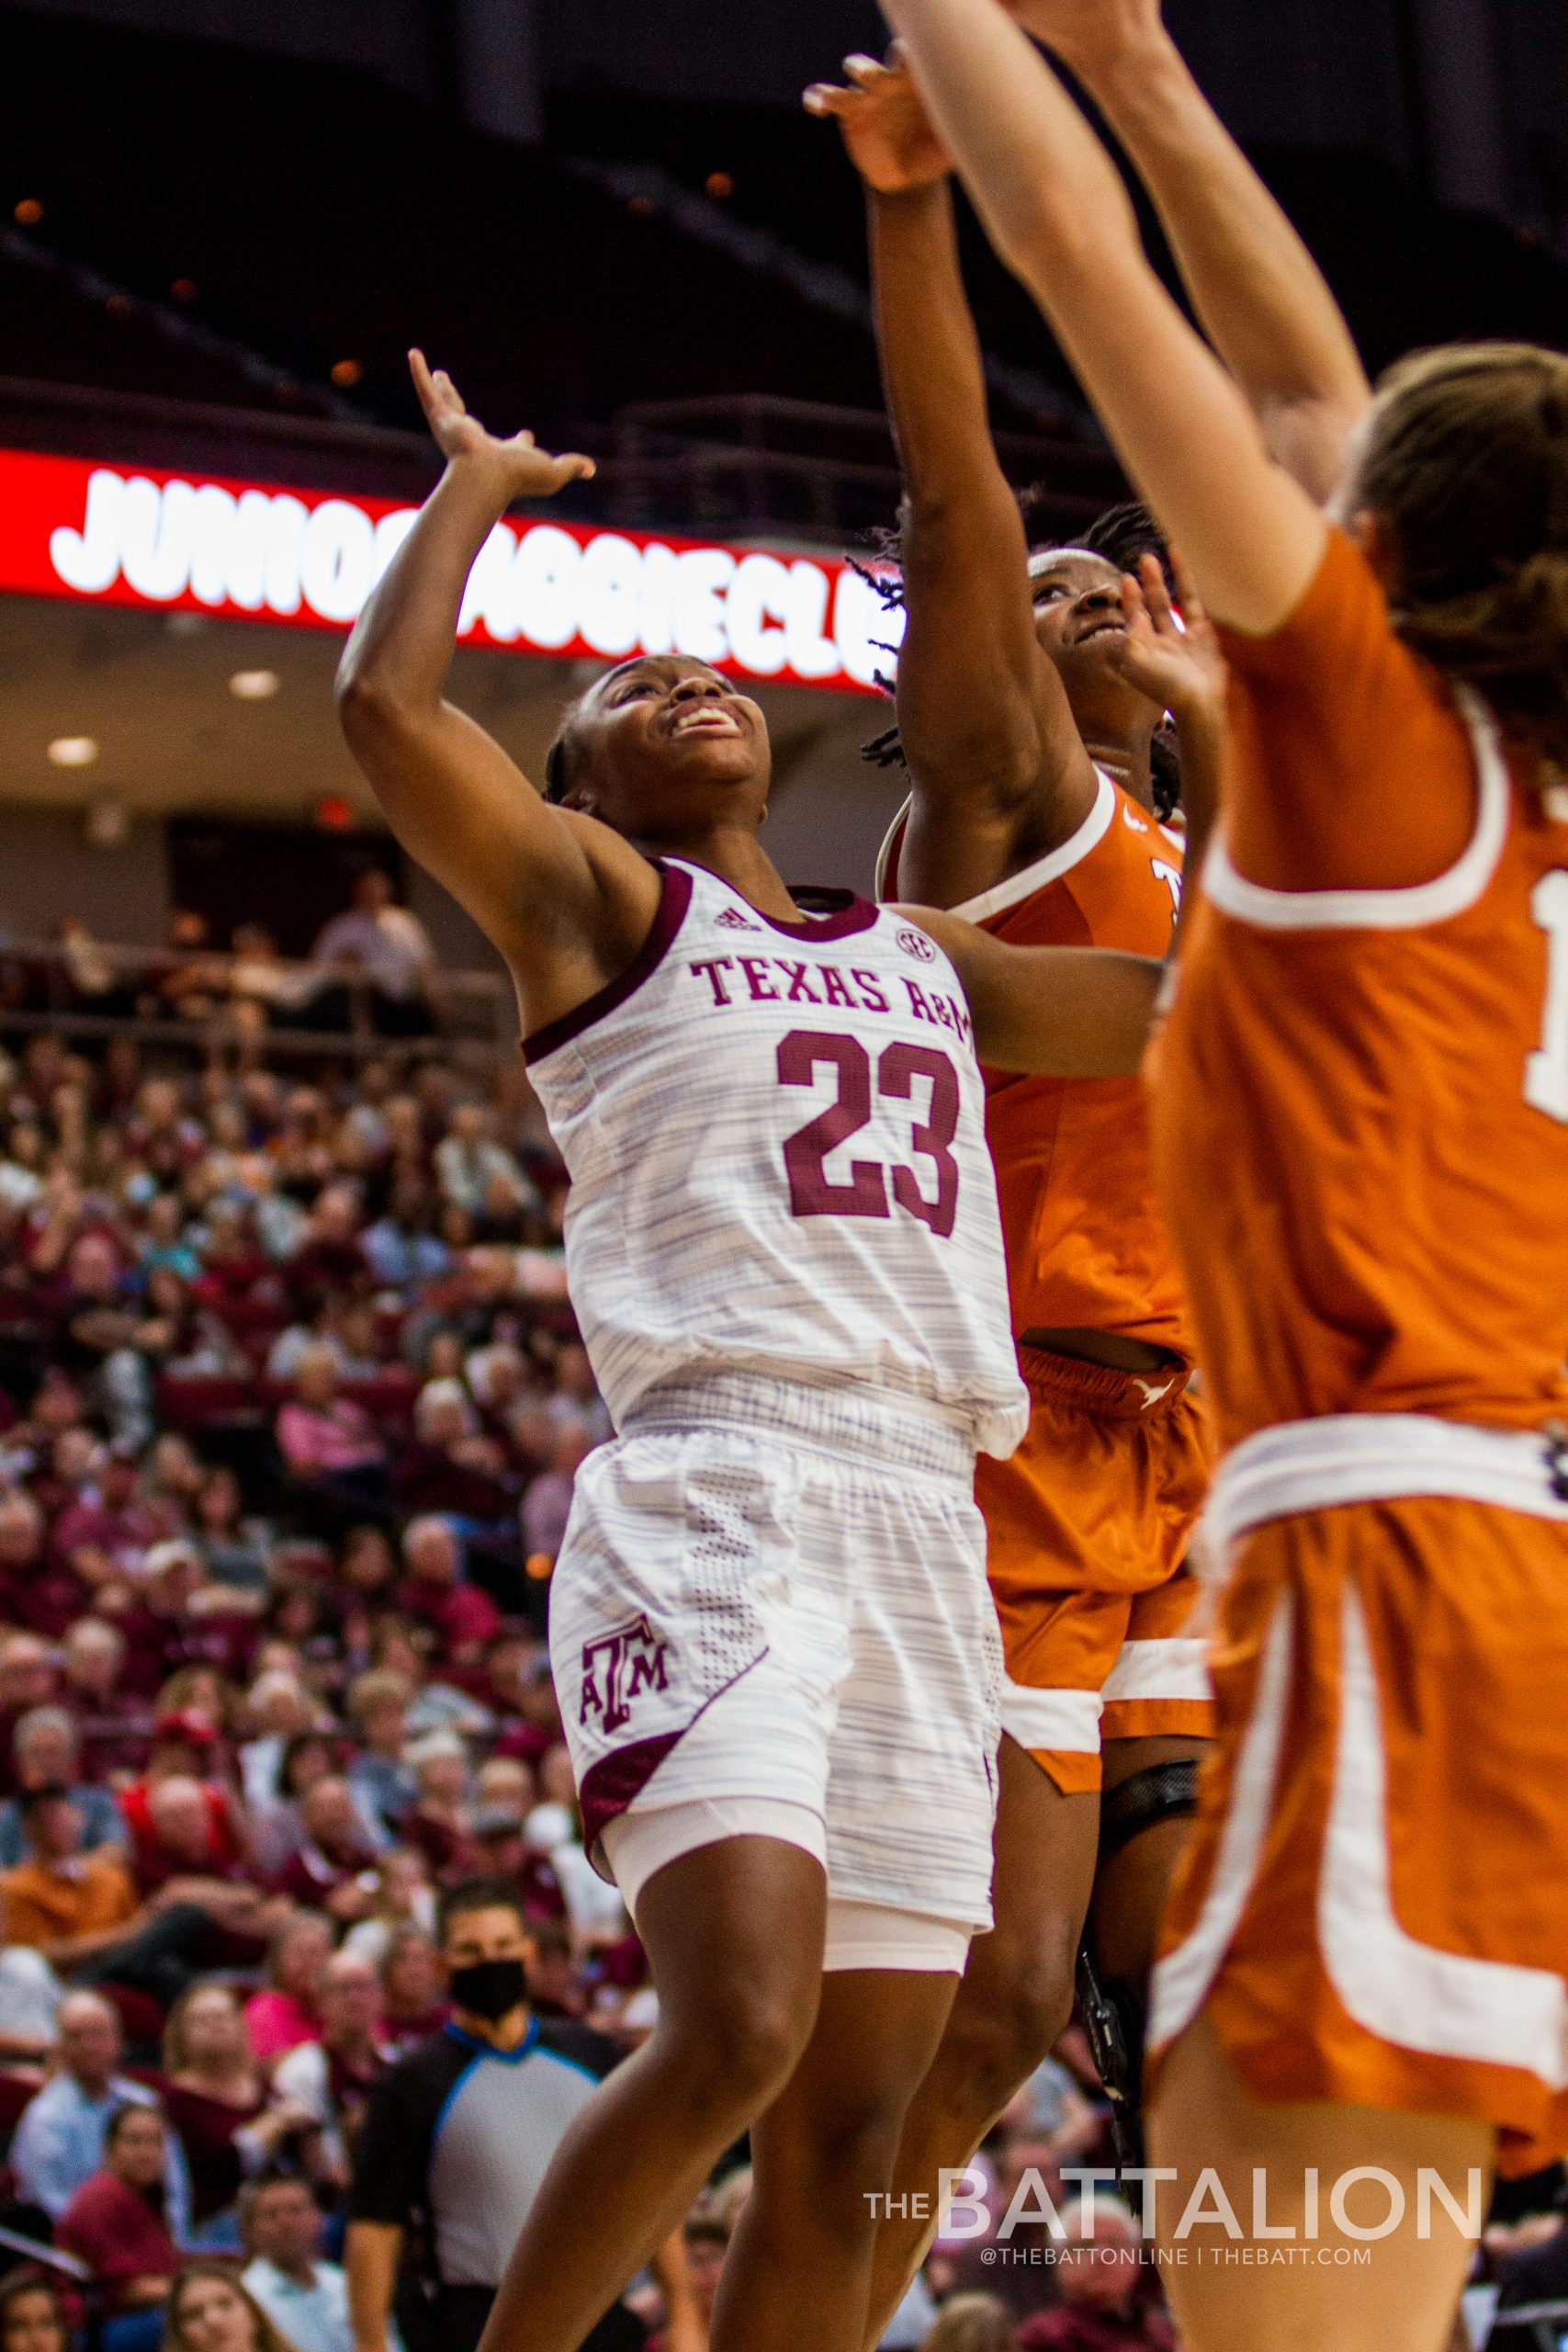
<point x="733" y="919"/>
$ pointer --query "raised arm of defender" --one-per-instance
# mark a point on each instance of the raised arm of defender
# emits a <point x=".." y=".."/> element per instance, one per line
<point x="1056" y="210"/>
<point x="1258" y="293"/>
<point x="1000" y="773"/>
<point x="566" y="900"/>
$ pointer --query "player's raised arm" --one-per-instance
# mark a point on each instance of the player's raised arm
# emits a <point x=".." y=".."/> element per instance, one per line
<point x="1058" y="214"/>
<point x="1260" y="296"/>
<point x="998" y="769"/>
<point x="1050" y="1011"/>
<point x="1087" y="1012"/>
<point x="565" y="899"/>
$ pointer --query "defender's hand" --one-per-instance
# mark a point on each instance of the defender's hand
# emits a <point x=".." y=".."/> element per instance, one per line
<point x="1088" y="34"/>
<point x="1177" y="663"/>
<point x="525" y="470"/>
<point x="886" y="128"/>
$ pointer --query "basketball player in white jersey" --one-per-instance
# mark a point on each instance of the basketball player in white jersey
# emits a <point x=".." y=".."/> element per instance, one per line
<point x="771" y="1636"/>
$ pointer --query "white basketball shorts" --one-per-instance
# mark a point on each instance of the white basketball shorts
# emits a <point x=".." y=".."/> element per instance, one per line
<point x="770" y="1606"/>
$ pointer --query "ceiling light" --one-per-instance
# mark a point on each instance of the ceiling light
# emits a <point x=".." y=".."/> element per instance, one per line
<point x="347" y="373"/>
<point x="73" y="750"/>
<point x="29" y="213"/>
<point x="108" y="824"/>
<point x="255" y="685"/>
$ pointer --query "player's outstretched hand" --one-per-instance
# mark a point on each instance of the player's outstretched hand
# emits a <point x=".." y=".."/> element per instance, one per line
<point x="1088" y="34"/>
<point x="1177" y="664"/>
<point x="520" y="466"/>
<point x="888" y="134"/>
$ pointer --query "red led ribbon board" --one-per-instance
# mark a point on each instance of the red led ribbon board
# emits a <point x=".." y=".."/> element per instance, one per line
<point x="301" y="559"/>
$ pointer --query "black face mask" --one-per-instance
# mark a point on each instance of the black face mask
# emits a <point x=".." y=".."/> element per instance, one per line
<point x="491" y="1989"/>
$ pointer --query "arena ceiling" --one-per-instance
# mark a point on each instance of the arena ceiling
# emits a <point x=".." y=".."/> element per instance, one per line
<point x="154" y="693"/>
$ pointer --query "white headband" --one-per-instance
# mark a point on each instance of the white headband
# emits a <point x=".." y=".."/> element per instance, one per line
<point x="1048" y="558"/>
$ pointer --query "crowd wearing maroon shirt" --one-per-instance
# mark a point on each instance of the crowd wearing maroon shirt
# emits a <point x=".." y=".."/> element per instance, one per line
<point x="290" y="1406"/>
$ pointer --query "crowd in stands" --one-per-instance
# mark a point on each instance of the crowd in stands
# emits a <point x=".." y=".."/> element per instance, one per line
<point x="291" y="1403"/>
<point x="290" y="1406"/>
<point x="371" y="969"/>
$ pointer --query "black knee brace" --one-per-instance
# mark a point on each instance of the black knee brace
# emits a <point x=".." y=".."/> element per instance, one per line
<point x="1156" y="1794"/>
<point x="1113" y="2014"/>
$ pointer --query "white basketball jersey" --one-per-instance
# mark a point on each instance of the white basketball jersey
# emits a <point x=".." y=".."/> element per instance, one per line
<point x="775" y="1135"/>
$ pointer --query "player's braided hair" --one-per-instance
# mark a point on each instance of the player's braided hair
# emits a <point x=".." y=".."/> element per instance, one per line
<point x="1123" y="535"/>
<point x="1467" y="464"/>
<point x="558" y="760"/>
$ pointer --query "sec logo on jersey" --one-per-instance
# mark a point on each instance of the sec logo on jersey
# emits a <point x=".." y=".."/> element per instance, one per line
<point x="916" y="943"/>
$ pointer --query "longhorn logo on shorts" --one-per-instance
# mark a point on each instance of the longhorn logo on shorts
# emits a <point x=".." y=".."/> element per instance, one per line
<point x="617" y="1668"/>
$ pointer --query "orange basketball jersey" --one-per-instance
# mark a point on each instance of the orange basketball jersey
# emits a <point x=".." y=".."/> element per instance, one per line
<point x="1361" y="1097"/>
<point x="1087" y="1523"/>
<point x="1085" y="1247"/>
<point x="1361" y="1132"/>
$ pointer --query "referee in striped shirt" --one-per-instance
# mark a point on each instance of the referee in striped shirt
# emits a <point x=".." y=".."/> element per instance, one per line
<point x="458" y="2133"/>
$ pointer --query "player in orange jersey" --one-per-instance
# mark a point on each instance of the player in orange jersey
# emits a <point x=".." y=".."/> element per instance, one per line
<point x="1361" y="1128"/>
<point x="1031" y="727"/>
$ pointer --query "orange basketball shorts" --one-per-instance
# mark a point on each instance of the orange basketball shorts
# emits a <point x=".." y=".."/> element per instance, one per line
<point x="1373" y="1906"/>
<point x="1087" y="1527"/>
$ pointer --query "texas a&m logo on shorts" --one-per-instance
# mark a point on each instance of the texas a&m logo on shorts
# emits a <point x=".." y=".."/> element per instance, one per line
<point x="616" y="1667"/>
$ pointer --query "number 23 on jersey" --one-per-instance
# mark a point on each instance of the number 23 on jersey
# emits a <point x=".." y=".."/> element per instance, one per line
<point x="894" y="1077"/>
